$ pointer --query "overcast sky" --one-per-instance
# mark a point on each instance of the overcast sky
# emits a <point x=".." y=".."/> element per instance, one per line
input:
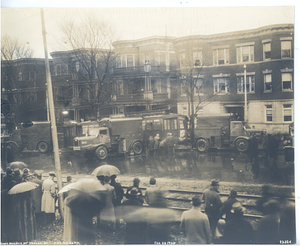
<point x="136" y="22"/>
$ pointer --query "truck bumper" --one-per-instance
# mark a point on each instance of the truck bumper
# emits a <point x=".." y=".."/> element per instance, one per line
<point x="76" y="148"/>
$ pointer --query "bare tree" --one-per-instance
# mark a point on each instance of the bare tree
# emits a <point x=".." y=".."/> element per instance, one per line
<point x="90" y="59"/>
<point x="13" y="57"/>
<point x="189" y="57"/>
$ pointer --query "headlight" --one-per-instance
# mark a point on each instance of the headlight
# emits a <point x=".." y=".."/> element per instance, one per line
<point x="83" y="142"/>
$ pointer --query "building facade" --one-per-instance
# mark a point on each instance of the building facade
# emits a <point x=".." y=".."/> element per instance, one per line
<point x="23" y="90"/>
<point x="220" y="62"/>
<point x="144" y="76"/>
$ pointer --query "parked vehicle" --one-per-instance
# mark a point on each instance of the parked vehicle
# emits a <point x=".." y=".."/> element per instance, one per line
<point x="33" y="135"/>
<point x="121" y="135"/>
<point x="221" y="132"/>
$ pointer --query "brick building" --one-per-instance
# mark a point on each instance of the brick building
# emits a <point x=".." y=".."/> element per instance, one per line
<point x="268" y="55"/>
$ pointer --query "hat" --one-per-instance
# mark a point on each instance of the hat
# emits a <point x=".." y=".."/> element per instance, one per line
<point x="152" y="181"/>
<point x="134" y="191"/>
<point x="233" y="193"/>
<point x="237" y="208"/>
<point x="136" y="180"/>
<point x="52" y="173"/>
<point x="215" y="182"/>
<point x="25" y="170"/>
<point x="196" y="201"/>
<point x="8" y="171"/>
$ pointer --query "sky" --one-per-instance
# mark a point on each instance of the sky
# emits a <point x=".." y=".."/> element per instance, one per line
<point x="137" y="21"/>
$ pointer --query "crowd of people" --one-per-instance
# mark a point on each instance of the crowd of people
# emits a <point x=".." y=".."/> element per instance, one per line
<point x="147" y="217"/>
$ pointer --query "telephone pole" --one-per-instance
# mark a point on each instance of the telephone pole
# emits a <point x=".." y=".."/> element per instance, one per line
<point x="52" y="113"/>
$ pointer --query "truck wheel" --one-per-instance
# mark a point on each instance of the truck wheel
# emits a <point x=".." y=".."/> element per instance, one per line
<point x="101" y="153"/>
<point x="202" y="145"/>
<point x="13" y="146"/>
<point x="137" y="148"/>
<point x="42" y="147"/>
<point x="242" y="145"/>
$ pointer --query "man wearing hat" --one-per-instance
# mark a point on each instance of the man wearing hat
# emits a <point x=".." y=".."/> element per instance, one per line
<point x="136" y="183"/>
<point x="48" y="198"/>
<point x="36" y="195"/>
<point x="195" y="224"/>
<point x="227" y="205"/>
<point x="213" y="204"/>
<point x="238" y="230"/>
<point x="135" y="226"/>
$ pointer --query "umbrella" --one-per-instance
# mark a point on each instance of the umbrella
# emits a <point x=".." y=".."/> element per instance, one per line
<point x="86" y="194"/>
<point x="17" y="164"/>
<point x="106" y="170"/>
<point x="66" y="188"/>
<point x="147" y="214"/>
<point x="22" y="187"/>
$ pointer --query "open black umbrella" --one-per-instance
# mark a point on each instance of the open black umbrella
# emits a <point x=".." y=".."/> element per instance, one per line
<point x="17" y="164"/>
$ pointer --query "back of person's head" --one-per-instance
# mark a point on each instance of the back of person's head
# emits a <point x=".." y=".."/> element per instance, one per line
<point x="113" y="177"/>
<point x="152" y="181"/>
<point x="17" y="171"/>
<point x="106" y="179"/>
<point x="233" y="193"/>
<point x="196" y="201"/>
<point x="69" y="178"/>
<point x="136" y="181"/>
<point x="237" y="209"/>
<point x="100" y="178"/>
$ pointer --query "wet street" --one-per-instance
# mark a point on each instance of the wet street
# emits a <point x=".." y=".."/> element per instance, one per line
<point x="227" y="165"/>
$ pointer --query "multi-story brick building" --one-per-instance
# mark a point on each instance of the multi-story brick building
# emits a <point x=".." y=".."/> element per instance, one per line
<point x="23" y="87"/>
<point x="268" y="55"/>
<point x="144" y="76"/>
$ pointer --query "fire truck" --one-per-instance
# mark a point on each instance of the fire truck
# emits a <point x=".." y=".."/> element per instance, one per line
<point x="223" y="132"/>
<point x="112" y="134"/>
<point x="33" y="135"/>
<point x="127" y="134"/>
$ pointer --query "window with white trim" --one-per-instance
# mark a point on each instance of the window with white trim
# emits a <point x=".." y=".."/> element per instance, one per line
<point x="269" y="113"/>
<point x="120" y="88"/>
<point x="198" y="89"/>
<point x="20" y="76"/>
<point x="118" y="61"/>
<point x="286" y="81"/>
<point x="61" y="69"/>
<point x="267" y="82"/>
<point x="286" y="49"/>
<point x="221" y="85"/>
<point x="130" y="61"/>
<point x="183" y="87"/>
<point x="221" y="56"/>
<point x="182" y="58"/>
<point x="287" y="112"/>
<point x="197" y="58"/>
<point x="184" y="110"/>
<point x="250" y="84"/>
<point x="245" y="54"/>
<point x="267" y="50"/>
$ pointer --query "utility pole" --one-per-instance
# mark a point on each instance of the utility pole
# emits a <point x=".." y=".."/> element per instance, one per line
<point x="246" y="106"/>
<point x="52" y="114"/>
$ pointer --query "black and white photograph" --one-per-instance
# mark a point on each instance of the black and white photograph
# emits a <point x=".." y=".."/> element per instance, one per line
<point x="131" y="123"/>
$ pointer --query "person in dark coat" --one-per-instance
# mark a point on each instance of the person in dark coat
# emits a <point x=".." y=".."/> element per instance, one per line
<point x="287" y="225"/>
<point x="10" y="155"/>
<point x="6" y="184"/>
<point x="17" y="175"/>
<point x="265" y="197"/>
<point x="119" y="197"/>
<point x="136" y="183"/>
<point x="8" y="180"/>
<point x="227" y="205"/>
<point x="36" y="195"/>
<point x="238" y="230"/>
<point x="135" y="225"/>
<point x="268" y="226"/>
<point x="22" y="218"/>
<point x="213" y="205"/>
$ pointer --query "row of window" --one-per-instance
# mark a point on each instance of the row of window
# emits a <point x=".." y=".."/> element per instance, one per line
<point x="244" y="53"/>
<point x="221" y="84"/>
<point x="287" y="113"/>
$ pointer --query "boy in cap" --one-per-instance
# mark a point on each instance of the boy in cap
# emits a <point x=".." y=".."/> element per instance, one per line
<point x="213" y="205"/>
<point x="195" y="224"/>
<point x="227" y="205"/>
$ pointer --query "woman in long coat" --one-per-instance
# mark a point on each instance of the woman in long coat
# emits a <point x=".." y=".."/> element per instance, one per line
<point x="22" y="223"/>
<point x="48" y="198"/>
<point x="107" y="215"/>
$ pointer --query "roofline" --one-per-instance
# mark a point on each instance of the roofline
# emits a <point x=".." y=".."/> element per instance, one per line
<point x="72" y="51"/>
<point x="143" y="39"/>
